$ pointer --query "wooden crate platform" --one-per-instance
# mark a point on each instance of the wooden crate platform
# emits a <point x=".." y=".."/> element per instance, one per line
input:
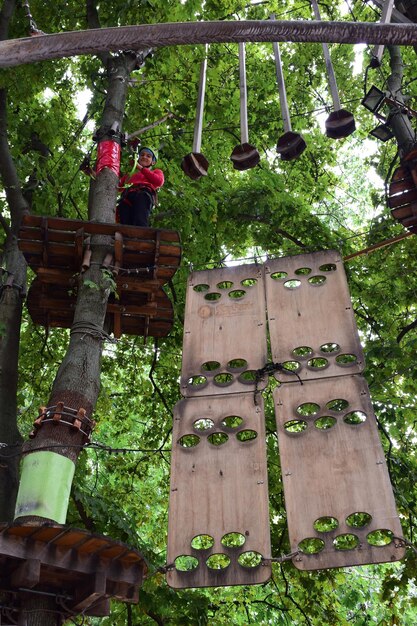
<point x="84" y="568"/>
<point x="141" y="261"/>
<point x="61" y="244"/>
<point x="402" y="197"/>
<point x="132" y="313"/>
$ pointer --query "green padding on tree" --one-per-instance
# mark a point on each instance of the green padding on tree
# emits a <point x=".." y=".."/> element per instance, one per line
<point x="45" y="485"/>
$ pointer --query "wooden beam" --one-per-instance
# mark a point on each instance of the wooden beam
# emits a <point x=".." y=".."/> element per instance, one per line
<point x="27" y="574"/>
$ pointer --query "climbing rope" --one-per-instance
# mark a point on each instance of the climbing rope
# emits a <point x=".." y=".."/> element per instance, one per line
<point x="269" y="369"/>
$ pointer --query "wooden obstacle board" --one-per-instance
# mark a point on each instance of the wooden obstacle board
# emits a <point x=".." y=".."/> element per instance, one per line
<point x="61" y="243"/>
<point x="218" y="529"/>
<point x="55" y="559"/>
<point x="338" y="495"/>
<point x="311" y="322"/>
<point x="132" y="313"/>
<point x="224" y="331"/>
<point x="402" y="197"/>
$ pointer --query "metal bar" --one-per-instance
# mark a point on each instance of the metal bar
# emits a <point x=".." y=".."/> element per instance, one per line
<point x="244" y="133"/>
<point x="15" y="52"/>
<point x="281" y="86"/>
<point x="397" y="16"/>
<point x="329" y="65"/>
<point x="386" y="15"/>
<point x="198" y="127"/>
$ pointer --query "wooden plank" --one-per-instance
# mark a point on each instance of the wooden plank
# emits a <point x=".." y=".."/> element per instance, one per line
<point x="333" y="470"/>
<point x="224" y="329"/>
<point x="89" y="594"/>
<point x="404" y="198"/>
<point x="218" y="489"/>
<point x="99" y="228"/>
<point x="311" y="321"/>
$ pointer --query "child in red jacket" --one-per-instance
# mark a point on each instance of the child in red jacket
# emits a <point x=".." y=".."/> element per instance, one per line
<point x="139" y="190"/>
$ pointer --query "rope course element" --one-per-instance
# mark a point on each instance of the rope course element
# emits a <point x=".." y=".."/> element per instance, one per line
<point x="15" y="52"/>
<point x="33" y="29"/>
<point x="269" y="369"/>
<point x="77" y="420"/>
<point x="94" y="330"/>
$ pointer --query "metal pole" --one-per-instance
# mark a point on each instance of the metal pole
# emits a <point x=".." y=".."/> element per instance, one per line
<point x="386" y="14"/>
<point x="198" y="127"/>
<point x="281" y="87"/>
<point x="244" y="133"/>
<point x="329" y="66"/>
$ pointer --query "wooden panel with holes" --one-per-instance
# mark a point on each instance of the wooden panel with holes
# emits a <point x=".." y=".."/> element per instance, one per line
<point x="218" y="529"/>
<point x="338" y="495"/>
<point x="224" y="331"/>
<point x="311" y="322"/>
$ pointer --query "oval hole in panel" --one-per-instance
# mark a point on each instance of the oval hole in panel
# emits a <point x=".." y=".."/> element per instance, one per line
<point x="225" y="284"/>
<point x="196" y="381"/>
<point x="316" y="281"/>
<point x="203" y="423"/>
<point x="210" y="366"/>
<point x="325" y="524"/>
<point x="295" y="427"/>
<point x="189" y="441"/>
<point x="380" y="537"/>
<point x="302" y="352"/>
<point x="325" y="423"/>
<point x="236" y="294"/>
<point x="233" y="540"/>
<point x="246" y="435"/>
<point x="279" y="275"/>
<point x="232" y="421"/>
<point x="329" y="348"/>
<point x="292" y="284"/>
<point x="355" y="417"/>
<point x="218" y="561"/>
<point x="307" y="409"/>
<point x="303" y="271"/>
<point x="248" y="282"/>
<point x="337" y="405"/>
<point x="213" y="296"/>
<point x="218" y="439"/>
<point x="250" y="559"/>
<point x="237" y="364"/>
<point x="223" y="380"/>
<point x="347" y="541"/>
<point x="311" y="545"/>
<point x="327" y="267"/>
<point x="290" y="366"/>
<point x="201" y="288"/>
<point x="248" y="377"/>
<point x="185" y="563"/>
<point x="358" y="520"/>
<point x="318" y="363"/>
<point x="202" y="542"/>
<point x="346" y="360"/>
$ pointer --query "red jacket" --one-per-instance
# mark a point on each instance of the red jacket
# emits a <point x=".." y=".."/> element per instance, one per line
<point x="146" y="177"/>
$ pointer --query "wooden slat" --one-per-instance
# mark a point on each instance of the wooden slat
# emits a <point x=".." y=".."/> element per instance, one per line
<point x="311" y="315"/>
<point x="334" y="472"/>
<point x="223" y="330"/>
<point x="218" y="489"/>
<point x="405" y="198"/>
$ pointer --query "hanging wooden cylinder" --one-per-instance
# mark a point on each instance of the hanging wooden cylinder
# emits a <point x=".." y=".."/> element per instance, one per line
<point x="290" y="145"/>
<point x="244" y="156"/>
<point x="340" y="122"/>
<point x="195" y="164"/>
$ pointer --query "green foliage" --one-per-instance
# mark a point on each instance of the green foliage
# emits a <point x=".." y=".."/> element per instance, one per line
<point x="326" y="199"/>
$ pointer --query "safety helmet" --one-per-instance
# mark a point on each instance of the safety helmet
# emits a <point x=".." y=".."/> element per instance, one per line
<point x="151" y="152"/>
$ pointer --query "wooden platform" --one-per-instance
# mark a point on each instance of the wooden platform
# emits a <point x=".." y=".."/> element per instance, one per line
<point x="84" y="570"/>
<point x="402" y="198"/>
<point x="141" y="261"/>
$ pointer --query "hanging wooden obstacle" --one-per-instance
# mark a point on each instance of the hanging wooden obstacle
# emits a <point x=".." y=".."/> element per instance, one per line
<point x="142" y="261"/>
<point x="402" y="196"/>
<point x="82" y="569"/>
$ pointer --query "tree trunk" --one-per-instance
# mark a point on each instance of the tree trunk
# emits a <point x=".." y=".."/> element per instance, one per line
<point x="399" y="121"/>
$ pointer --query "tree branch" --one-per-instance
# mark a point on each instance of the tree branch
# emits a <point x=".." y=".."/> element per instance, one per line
<point x="406" y="330"/>
<point x="263" y="220"/>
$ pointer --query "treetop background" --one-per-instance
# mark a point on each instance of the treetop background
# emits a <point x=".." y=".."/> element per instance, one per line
<point x="332" y="197"/>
